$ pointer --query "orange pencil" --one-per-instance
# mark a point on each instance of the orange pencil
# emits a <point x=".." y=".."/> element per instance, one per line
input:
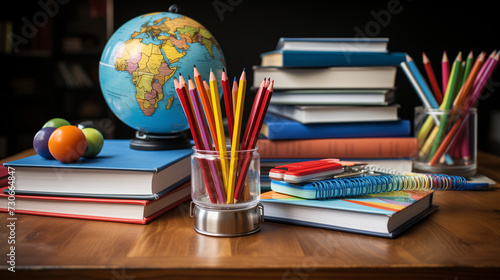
<point x="432" y="79"/>
<point x="234" y="93"/>
<point x="207" y="105"/>
<point x="471" y="77"/>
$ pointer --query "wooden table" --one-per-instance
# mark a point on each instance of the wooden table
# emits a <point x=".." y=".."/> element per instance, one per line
<point x="460" y="241"/>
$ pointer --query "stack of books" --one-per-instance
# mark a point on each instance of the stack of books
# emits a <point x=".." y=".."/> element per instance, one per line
<point x="334" y="97"/>
<point x="120" y="184"/>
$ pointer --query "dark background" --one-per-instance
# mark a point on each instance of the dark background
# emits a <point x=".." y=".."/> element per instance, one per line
<point x="245" y="28"/>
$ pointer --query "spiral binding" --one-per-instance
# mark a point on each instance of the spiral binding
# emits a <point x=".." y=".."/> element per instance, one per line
<point x="391" y="180"/>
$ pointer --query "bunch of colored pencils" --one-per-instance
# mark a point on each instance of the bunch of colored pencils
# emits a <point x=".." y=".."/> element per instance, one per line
<point x="224" y="180"/>
<point x="461" y="87"/>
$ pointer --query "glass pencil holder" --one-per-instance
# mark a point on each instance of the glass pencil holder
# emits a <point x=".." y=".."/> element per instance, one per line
<point x="225" y="192"/>
<point x="446" y="140"/>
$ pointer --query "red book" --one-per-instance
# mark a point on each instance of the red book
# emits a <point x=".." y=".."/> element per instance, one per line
<point x="137" y="211"/>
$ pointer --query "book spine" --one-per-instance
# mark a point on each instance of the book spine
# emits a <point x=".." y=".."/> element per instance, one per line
<point x="344" y="59"/>
<point x="294" y="130"/>
<point x="385" y="147"/>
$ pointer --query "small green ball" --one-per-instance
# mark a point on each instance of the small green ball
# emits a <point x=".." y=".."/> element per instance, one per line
<point x="56" y="122"/>
<point x="95" y="141"/>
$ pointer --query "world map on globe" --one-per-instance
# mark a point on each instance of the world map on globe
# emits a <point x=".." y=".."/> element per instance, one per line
<point x="139" y="63"/>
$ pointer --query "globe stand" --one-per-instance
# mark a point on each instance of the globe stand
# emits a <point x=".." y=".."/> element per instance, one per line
<point x="155" y="142"/>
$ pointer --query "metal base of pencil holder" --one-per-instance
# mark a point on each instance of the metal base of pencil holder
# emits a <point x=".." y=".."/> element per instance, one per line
<point x="227" y="222"/>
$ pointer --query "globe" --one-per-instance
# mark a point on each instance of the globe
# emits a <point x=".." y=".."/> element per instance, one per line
<point x="140" y="61"/>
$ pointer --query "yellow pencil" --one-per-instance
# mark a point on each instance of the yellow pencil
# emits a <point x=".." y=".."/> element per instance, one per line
<point x="221" y="138"/>
<point x="235" y="143"/>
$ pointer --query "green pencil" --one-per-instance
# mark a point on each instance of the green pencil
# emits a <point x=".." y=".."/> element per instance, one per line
<point x="451" y="89"/>
<point x="468" y="66"/>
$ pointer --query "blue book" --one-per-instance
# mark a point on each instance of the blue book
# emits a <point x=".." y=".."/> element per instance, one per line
<point x="117" y="170"/>
<point x="298" y="58"/>
<point x="383" y="215"/>
<point x="276" y="127"/>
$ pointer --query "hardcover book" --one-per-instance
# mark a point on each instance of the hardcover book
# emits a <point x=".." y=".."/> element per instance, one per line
<point x="117" y="170"/>
<point x="334" y="97"/>
<point x="334" y="44"/>
<point x="303" y="58"/>
<point x="353" y="148"/>
<point x="276" y="127"/>
<point x="329" y="114"/>
<point x="136" y="211"/>
<point x="383" y="215"/>
<point x="327" y="77"/>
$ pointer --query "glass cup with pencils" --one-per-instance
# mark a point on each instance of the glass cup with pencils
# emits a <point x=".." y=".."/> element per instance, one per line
<point x="225" y="175"/>
<point x="447" y="141"/>
<point x="446" y="126"/>
<point x="218" y="210"/>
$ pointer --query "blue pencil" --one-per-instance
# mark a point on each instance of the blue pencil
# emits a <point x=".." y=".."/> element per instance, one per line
<point x="422" y="83"/>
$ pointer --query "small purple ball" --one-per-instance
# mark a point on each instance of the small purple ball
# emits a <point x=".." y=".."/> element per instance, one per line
<point x="41" y="142"/>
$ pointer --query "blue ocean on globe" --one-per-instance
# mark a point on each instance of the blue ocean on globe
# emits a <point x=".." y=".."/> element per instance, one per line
<point x="141" y="60"/>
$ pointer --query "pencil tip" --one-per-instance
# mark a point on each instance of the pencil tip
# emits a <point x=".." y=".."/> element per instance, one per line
<point x="194" y="65"/>
<point x="223" y="69"/>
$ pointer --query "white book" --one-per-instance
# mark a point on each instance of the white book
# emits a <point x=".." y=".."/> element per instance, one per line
<point x="326" y="114"/>
<point x="327" y="77"/>
<point x="334" y="44"/>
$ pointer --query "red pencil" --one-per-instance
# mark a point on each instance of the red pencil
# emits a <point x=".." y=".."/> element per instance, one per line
<point x="245" y="142"/>
<point x="445" y="71"/>
<point x="240" y="184"/>
<point x="432" y="79"/>
<point x="228" y="103"/>
<point x="186" y="106"/>
<point x="193" y="125"/>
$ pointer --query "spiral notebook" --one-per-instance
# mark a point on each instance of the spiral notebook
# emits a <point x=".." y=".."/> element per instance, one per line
<point x="380" y="181"/>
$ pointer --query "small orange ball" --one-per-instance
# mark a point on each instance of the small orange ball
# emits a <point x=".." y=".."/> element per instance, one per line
<point x="67" y="143"/>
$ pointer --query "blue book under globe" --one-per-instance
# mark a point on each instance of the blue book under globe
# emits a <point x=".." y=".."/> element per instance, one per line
<point x="117" y="171"/>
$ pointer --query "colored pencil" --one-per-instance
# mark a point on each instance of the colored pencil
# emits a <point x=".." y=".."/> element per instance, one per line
<point x="205" y="137"/>
<point x="245" y="142"/>
<point x="468" y="66"/>
<point x="219" y="126"/>
<point x="242" y="166"/>
<point x="482" y="78"/>
<point x="228" y="102"/>
<point x="234" y="93"/>
<point x="476" y="92"/>
<point x="445" y="72"/>
<point x="432" y="79"/>
<point x="469" y="81"/>
<point x="259" y="120"/>
<point x="461" y="144"/>
<point x="427" y="96"/>
<point x="447" y="101"/>
<point x="188" y="110"/>
<point x="207" y="105"/>
<point x="235" y="143"/>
